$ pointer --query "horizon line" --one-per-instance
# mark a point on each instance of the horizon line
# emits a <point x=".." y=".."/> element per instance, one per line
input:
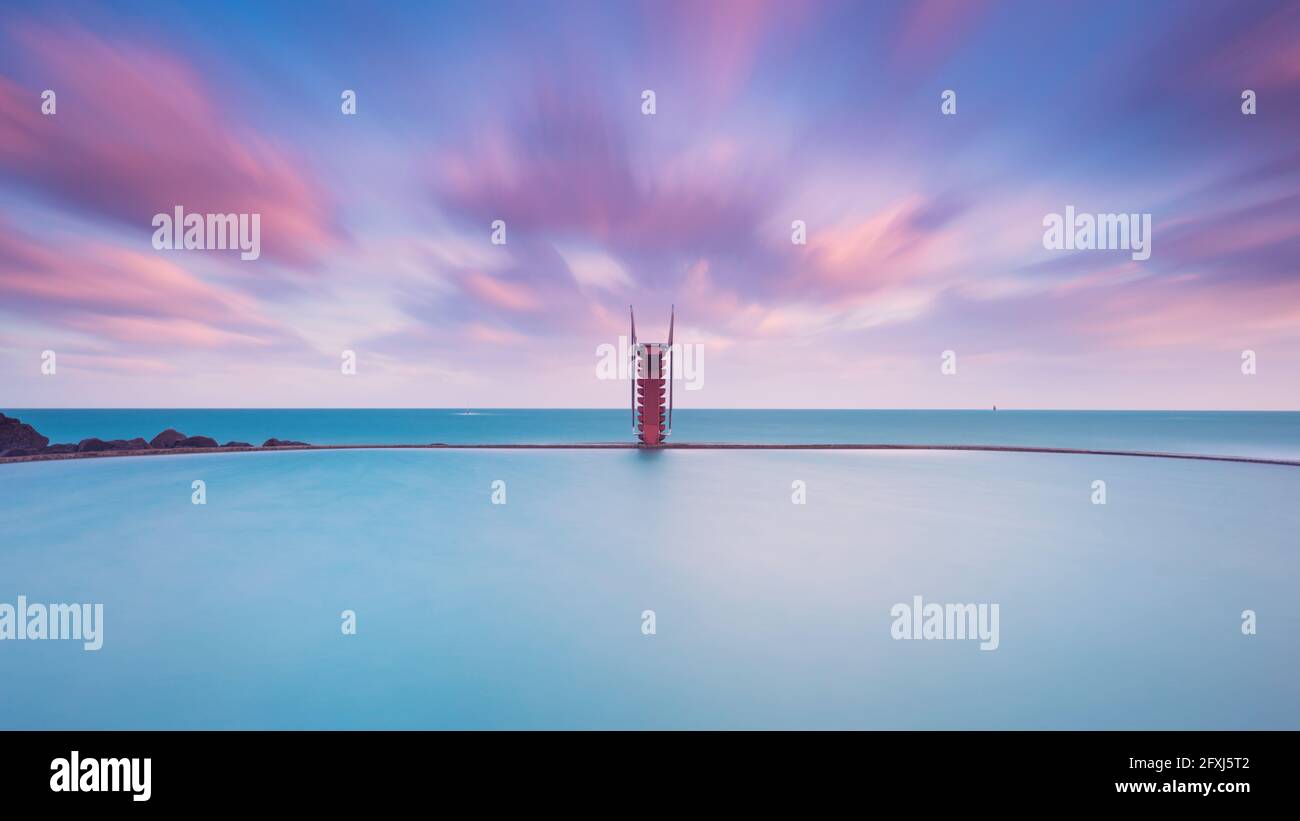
<point x="984" y="409"/>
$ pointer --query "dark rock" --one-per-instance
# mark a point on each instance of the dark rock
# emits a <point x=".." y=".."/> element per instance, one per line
<point x="16" y="434"/>
<point x="197" y="442"/>
<point x="93" y="445"/>
<point x="16" y="452"/>
<point x="283" y="443"/>
<point x="166" y="439"/>
<point x="236" y="445"/>
<point x="60" y="448"/>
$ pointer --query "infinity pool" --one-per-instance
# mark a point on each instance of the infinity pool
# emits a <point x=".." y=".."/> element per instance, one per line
<point x="532" y="613"/>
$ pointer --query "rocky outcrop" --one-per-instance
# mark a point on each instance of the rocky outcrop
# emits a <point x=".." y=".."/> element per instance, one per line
<point x="18" y="439"/>
<point x="167" y="439"/>
<point x="93" y="445"/>
<point x="197" y="442"/>
<point x="17" y="435"/>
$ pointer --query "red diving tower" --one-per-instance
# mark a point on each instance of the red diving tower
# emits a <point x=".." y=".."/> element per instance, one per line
<point x="652" y="364"/>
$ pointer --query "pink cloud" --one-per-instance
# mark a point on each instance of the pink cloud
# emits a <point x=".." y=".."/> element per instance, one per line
<point x="129" y="365"/>
<point x="1267" y="54"/>
<point x="136" y="133"/>
<point x="1192" y="315"/>
<point x="478" y="332"/>
<point x="931" y="29"/>
<point x="893" y="247"/>
<point x="721" y="41"/>
<point x="511" y="296"/>
<point x="125" y="295"/>
<point x="564" y="167"/>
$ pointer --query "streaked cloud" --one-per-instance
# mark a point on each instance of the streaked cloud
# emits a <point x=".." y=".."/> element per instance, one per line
<point x="924" y="232"/>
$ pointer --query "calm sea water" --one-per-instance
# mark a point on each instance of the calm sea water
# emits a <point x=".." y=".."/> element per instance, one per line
<point x="768" y="614"/>
<point x="1236" y="434"/>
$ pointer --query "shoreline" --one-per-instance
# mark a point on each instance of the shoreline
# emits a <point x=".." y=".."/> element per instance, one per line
<point x="52" y="457"/>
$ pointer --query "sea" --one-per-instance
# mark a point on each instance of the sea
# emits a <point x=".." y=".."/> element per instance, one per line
<point x="623" y="589"/>
<point x="1267" y="434"/>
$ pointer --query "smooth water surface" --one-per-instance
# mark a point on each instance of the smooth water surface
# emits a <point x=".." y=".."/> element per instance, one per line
<point x="768" y="613"/>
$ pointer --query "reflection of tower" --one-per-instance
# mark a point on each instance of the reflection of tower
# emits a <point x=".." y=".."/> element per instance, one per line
<point x="652" y="364"/>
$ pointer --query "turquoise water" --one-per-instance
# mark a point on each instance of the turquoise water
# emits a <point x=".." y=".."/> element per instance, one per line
<point x="1274" y="434"/>
<point x="768" y="613"/>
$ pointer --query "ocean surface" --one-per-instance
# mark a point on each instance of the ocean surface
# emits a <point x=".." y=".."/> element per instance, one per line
<point x="1227" y="433"/>
<point x="767" y="614"/>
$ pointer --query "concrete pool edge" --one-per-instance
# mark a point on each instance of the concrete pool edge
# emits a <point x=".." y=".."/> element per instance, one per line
<point x="1262" y="460"/>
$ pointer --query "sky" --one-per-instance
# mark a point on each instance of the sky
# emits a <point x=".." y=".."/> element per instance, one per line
<point x="924" y="230"/>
